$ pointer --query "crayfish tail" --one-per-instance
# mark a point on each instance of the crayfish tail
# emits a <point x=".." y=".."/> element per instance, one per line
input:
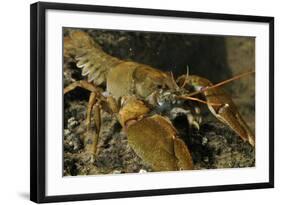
<point x="89" y="56"/>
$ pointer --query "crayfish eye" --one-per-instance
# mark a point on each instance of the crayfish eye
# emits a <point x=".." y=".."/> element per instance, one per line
<point x="198" y="87"/>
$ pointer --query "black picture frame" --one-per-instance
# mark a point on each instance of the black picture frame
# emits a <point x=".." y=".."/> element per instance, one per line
<point x="38" y="100"/>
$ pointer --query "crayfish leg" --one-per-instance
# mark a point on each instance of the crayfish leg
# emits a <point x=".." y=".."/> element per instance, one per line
<point x="91" y="140"/>
<point x="82" y="84"/>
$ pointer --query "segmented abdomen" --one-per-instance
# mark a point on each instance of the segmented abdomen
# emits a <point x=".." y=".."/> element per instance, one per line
<point x="90" y="57"/>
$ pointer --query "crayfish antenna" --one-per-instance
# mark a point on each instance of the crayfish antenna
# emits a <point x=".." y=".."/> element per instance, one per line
<point x="206" y="88"/>
<point x="173" y="81"/>
<point x="186" y="76"/>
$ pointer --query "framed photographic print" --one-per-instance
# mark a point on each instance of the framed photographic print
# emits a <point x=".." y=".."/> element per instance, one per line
<point x="129" y="102"/>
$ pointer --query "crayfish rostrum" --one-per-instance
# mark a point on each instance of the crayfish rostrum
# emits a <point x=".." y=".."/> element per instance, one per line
<point x="146" y="100"/>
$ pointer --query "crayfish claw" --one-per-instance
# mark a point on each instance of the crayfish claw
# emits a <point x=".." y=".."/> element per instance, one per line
<point x="223" y="108"/>
<point x="154" y="139"/>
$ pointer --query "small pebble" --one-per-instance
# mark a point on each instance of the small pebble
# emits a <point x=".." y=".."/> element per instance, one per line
<point x="75" y="147"/>
<point x="92" y="159"/>
<point x="71" y="119"/>
<point x="142" y="171"/>
<point x="204" y="141"/>
<point x="206" y="159"/>
<point x="116" y="172"/>
<point x="72" y="124"/>
<point x="66" y="131"/>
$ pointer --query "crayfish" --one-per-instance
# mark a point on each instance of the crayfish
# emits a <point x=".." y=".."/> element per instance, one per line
<point x="140" y="97"/>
